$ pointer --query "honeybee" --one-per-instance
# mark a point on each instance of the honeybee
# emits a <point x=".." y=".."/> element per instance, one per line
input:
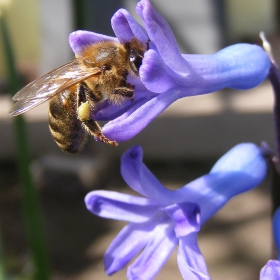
<point x="98" y="73"/>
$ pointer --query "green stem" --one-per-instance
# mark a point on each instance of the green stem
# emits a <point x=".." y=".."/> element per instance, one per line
<point x="31" y="207"/>
<point x="2" y="263"/>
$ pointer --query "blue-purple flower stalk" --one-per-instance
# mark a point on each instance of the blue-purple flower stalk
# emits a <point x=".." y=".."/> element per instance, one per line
<point x="163" y="218"/>
<point x="166" y="75"/>
<point x="271" y="270"/>
<point x="274" y="77"/>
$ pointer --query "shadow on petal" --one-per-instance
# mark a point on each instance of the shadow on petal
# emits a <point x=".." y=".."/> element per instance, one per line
<point x="190" y="260"/>
<point x="155" y="254"/>
<point x="129" y="242"/>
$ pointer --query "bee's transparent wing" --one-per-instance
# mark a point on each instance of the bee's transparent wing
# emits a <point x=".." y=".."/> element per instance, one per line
<point x="45" y="87"/>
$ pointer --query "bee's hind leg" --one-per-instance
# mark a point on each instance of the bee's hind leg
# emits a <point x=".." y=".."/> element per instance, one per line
<point x="94" y="129"/>
<point x="84" y="115"/>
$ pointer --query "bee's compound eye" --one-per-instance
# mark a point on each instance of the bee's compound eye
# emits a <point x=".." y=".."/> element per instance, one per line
<point x="133" y="55"/>
<point x="135" y="59"/>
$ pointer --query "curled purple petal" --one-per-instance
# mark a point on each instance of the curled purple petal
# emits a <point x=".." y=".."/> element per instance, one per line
<point x="271" y="271"/>
<point x="155" y="74"/>
<point x="185" y="216"/>
<point x="162" y="36"/>
<point x="138" y="119"/>
<point x="240" y="66"/>
<point x="130" y="164"/>
<point x="129" y="242"/>
<point x="139" y="177"/>
<point x="81" y="38"/>
<point x="155" y="254"/>
<point x="126" y="27"/>
<point x="114" y="205"/>
<point x="123" y="111"/>
<point x="190" y="260"/>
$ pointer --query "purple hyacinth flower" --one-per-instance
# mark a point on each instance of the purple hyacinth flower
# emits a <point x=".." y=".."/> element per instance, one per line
<point x="165" y="74"/>
<point x="163" y="218"/>
<point x="271" y="271"/>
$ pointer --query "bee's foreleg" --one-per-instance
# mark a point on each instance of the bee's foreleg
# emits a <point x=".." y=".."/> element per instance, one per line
<point x="84" y="115"/>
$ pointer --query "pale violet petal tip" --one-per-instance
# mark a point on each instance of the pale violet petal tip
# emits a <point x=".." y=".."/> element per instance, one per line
<point x="126" y="27"/>
<point x="141" y="179"/>
<point x="118" y="206"/>
<point x="162" y="36"/>
<point x="133" y="153"/>
<point x="190" y="260"/>
<point x="271" y="271"/>
<point x="81" y="38"/>
<point x="131" y="162"/>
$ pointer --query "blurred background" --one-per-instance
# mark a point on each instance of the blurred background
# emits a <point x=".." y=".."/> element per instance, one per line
<point x="237" y="241"/>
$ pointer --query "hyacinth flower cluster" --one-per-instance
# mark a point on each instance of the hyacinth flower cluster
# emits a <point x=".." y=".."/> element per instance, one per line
<point x="166" y="75"/>
<point x="163" y="219"/>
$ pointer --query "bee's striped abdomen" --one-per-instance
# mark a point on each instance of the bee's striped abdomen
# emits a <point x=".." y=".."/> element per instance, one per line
<point x="64" y="125"/>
